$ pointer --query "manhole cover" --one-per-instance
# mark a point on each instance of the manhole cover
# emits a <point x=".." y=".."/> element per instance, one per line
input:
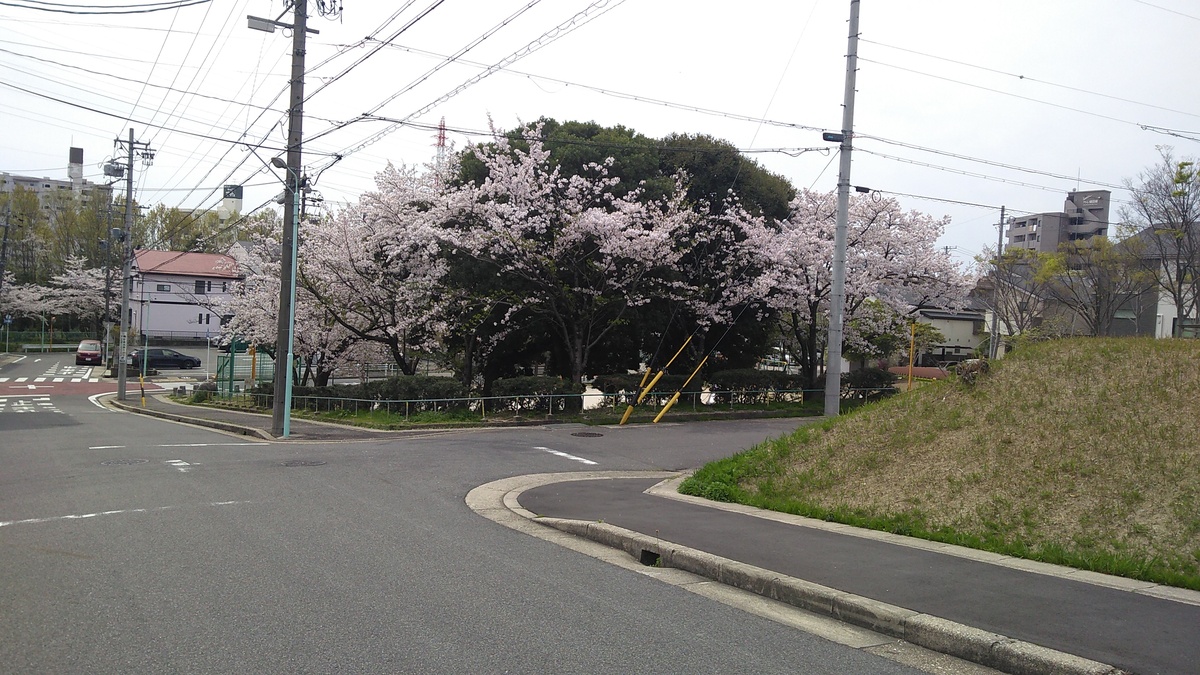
<point x="587" y="434"/>
<point x="303" y="462"/>
<point x="124" y="462"/>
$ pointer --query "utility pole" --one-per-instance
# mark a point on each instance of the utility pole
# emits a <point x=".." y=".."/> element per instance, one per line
<point x="285" y="333"/>
<point x="833" y="346"/>
<point x="127" y="267"/>
<point x="994" y="343"/>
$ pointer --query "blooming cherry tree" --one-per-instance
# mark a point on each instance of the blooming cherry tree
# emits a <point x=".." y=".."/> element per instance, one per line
<point x="891" y="257"/>
<point x="376" y="269"/>
<point x="564" y="250"/>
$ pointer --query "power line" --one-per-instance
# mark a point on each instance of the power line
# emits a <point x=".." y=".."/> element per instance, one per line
<point x="596" y="8"/>
<point x="998" y="91"/>
<point x="138" y="81"/>
<point x="621" y="95"/>
<point x="1150" y="4"/>
<point x="98" y="10"/>
<point x="147" y="124"/>
<point x="989" y="162"/>
<point x="1026" y="78"/>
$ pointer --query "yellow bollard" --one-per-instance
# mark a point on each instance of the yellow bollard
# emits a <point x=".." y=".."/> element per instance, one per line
<point x="667" y="407"/>
<point x="685" y="384"/>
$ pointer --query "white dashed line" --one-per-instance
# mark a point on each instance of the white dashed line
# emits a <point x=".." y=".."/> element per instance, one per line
<point x="81" y="516"/>
<point x="564" y="455"/>
<point x="179" y="464"/>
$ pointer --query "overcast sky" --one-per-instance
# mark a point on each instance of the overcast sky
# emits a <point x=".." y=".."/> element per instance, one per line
<point x="1022" y="100"/>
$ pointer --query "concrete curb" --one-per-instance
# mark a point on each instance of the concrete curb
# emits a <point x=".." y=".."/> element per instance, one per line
<point x="196" y="421"/>
<point x="931" y="632"/>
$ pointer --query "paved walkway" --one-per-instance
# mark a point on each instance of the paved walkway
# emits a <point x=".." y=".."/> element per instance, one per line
<point x="247" y="423"/>
<point x="1110" y="620"/>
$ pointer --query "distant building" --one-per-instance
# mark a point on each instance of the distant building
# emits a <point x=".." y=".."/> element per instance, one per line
<point x="174" y="294"/>
<point x="45" y="188"/>
<point x="1084" y="215"/>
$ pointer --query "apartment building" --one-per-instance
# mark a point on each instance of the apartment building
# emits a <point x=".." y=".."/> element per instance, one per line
<point x="1084" y="215"/>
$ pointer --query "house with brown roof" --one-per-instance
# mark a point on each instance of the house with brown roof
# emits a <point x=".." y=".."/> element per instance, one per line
<point x="174" y="295"/>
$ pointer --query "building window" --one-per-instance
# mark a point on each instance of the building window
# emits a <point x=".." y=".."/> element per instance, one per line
<point x="200" y="288"/>
<point x="164" y="288"/>
<point x="204" y="319"/>
<point x="224" y="286"/>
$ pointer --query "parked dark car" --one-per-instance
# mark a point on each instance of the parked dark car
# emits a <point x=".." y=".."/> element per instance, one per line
<point x="159" y="357"/>
<point x="89" y="351"/>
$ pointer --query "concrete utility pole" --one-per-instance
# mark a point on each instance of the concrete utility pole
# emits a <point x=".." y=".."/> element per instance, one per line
<point x="833" y="346"/>
<point x="127" y="266"/>
<point x="285" y="333"/>
<point x="994" y="342"/>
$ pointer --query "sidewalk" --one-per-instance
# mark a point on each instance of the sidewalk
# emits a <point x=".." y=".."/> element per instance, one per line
<point x="998" y="611"/>
<point x="246" y="423"/>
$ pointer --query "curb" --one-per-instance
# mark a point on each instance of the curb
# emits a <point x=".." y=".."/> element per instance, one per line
<point x="197" y="421"/>
<point x="925" y="630"/>
<point x="948" y="637"/>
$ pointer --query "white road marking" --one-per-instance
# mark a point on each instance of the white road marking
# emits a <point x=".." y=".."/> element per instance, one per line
<point x="21" y="359"/>
<point x="39" y="379"/>
<point x="179" y="464"/>
<point x="563" y="454"/>
<point x="106" y="447"/>
<point x="58" y="379"/>
<point x="21" y="379"/>
<point x="93" y="398"/>
<point x="80" y="516"/>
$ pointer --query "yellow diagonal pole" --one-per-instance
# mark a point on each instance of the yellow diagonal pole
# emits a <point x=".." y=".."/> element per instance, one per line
<point x="676" y="396"/>
<point x="629" y="410"/>
<point x="646" y="388"/>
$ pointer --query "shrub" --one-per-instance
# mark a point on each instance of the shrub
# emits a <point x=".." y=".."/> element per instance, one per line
<point x="869" y="383"/>
<point x="543" y="394"/>
<point x="422" y="391"/>
<point x="622" y="388"/>
<point x="750" y="385"/>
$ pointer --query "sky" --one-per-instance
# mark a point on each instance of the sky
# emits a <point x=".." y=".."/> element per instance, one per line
<point x="961" y="107"/>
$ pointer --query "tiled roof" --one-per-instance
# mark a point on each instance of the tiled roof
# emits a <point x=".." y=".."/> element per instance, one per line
<point x="193" y="264"/>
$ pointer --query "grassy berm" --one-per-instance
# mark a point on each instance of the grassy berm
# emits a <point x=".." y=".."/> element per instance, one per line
<point x="1081" y="452"/>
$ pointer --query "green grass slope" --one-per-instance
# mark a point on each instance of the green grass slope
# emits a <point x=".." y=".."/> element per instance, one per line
<point x="1081" y="452"/>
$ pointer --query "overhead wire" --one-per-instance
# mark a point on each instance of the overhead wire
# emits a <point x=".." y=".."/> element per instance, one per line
<point x="429" y="73"/>
<point x="58" y="9"/>
<point x="999" y="91"/>
<point x="1026" y="78"/>
<point x="581" y="18"/>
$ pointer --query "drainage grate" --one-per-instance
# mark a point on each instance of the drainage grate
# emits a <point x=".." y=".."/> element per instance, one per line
<point x="124" y="462"/>
<point x="303" y="462"/>
<point x="587" y="434"/>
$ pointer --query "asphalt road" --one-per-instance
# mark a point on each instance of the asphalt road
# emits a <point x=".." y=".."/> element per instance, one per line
<point x="130" y="544"/>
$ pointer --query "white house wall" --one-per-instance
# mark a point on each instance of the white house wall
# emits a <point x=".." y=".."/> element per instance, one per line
<point x="179" y="312"/>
